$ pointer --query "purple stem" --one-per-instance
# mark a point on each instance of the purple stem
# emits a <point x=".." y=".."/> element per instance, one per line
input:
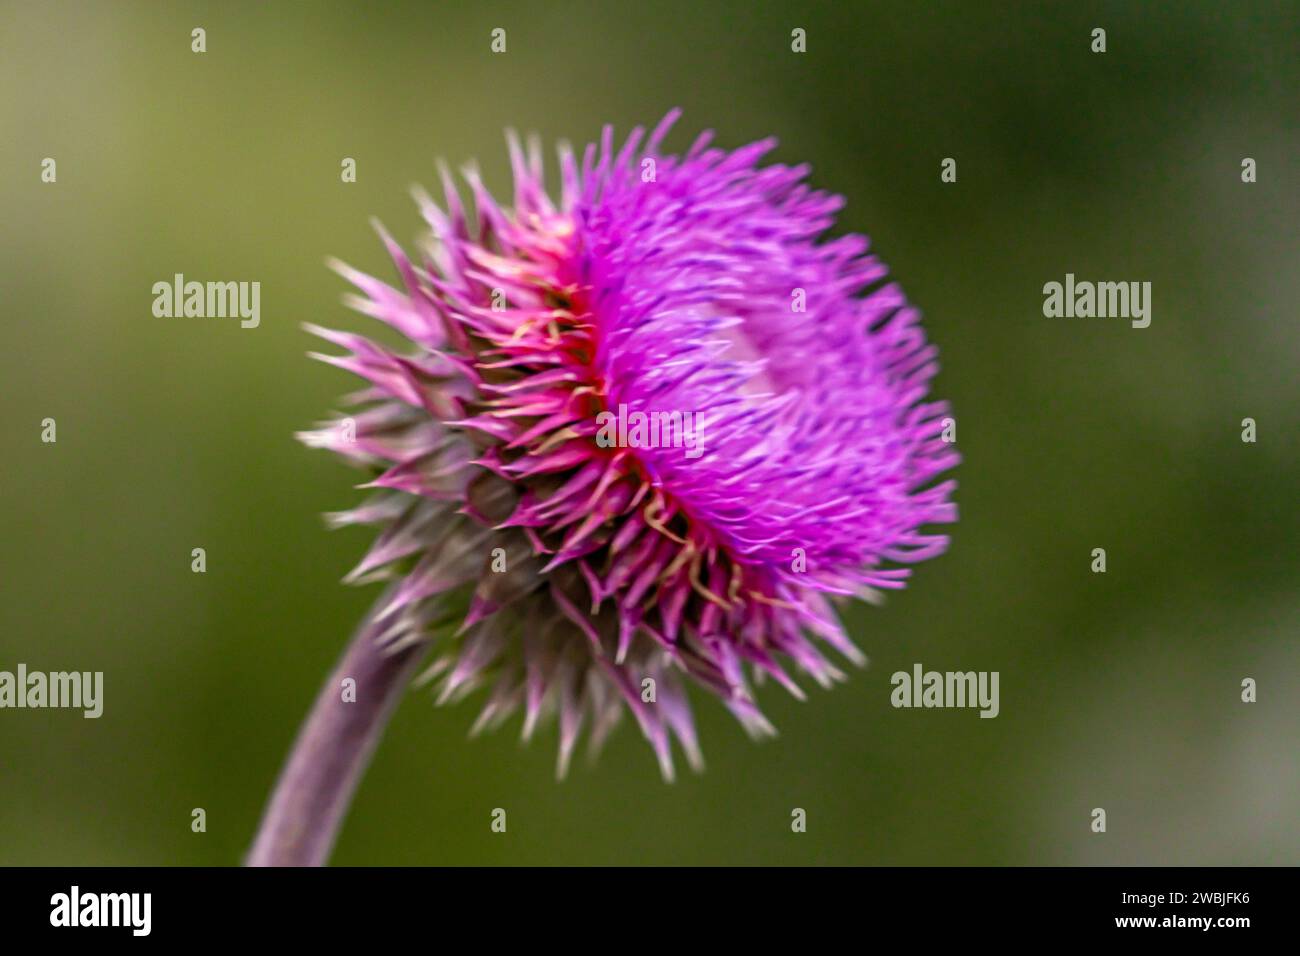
<point x="333" y="748"/>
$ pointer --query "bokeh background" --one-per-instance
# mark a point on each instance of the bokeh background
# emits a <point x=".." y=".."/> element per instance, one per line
<point x="1119" y="690"/>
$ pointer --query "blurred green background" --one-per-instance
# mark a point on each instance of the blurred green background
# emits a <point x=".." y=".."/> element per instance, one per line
<point x="1119" y="690"/>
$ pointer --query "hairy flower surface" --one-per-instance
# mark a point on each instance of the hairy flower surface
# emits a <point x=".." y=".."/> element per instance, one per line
<point x="564" y="573"/>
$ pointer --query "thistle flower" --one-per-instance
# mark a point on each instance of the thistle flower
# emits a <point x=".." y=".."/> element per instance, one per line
<point x="562" y="574"/>
<point x="575" y="577"/>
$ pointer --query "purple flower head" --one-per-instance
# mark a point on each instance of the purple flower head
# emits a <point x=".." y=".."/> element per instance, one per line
<point x="646" y="436"/>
